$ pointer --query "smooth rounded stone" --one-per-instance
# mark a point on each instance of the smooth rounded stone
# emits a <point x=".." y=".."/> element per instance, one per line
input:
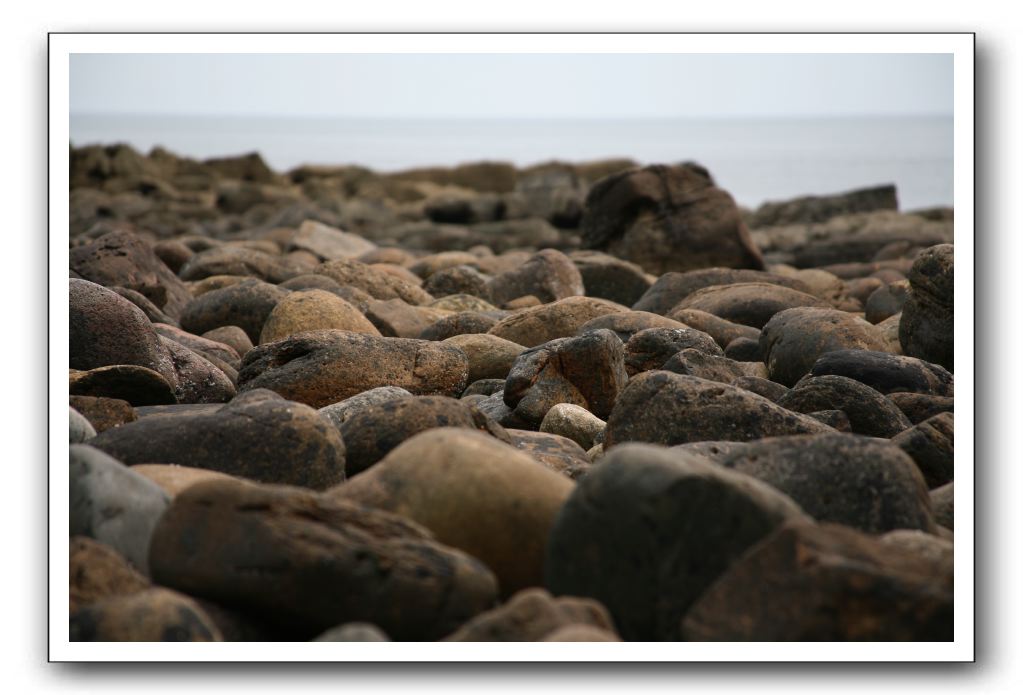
<point x="573" y="422"/>
<point x="581" y="633"/>
<point x="152" y="312"/>
<point x="554" y="451"/>
<point x="665" y="408"/>
<point x="483" y="387"/>
<point x="232" y="336"/>
<point x="667" y="218"/>
<point x="836" y="419"/>
<point x="935" y="549"/>
<point x="399" y="272"/>
<point x="537" y="325"/>
<point x="395" y="318"/>
<point x="866" y="483"/>
<point x="338" y="412"/>
<point x="671" y="288"/>
<point x="173" y="253"/>
<point x="490" y="357"/>
<point x="199" y="380"/>
<point x="525" y="302"/>
<point x="258" y="435"/>
<point x="793" y="340"/>
<point x="921" y="406"/>
<point x="106" y="329"/>
<point x="890" y="333"/>
<point x="246" y="304"/>
<point x="531" y="615"/>
<point x="749" y="303"/>
<point x="375" y="282"/>
<point x="239" y="260"/>
<point x="427" y="266"/>
<point x="280" y="554"/>
<point x="173" y="478"/>
<point x="824" y="582"/>
<point x="206" y="347"/>
<point x="151" y="615"/>
<point x="319" y="368"/>
<point x="626" y="324"/>
<point x="215" y="282"/>
<point x="887" y="373"/>
<point x="462" y="323"/>
<point x="103" y="413"/>
<point x="353" y="632"/>
<point x="926" y="330"/>
<point x="473" y="399"/>
<point x="943" y="504"/>
<point x="136" y="385"/>
<point x="744" y="350"/>
<point x="460" y="279"/>
<point x="113" y="504"/>
<point x="869" y="412"/>
<point x="722" y="331"/>
<point x="588" y="370"/>
<point x="311" y="310"/>
<point x="122" y="259"/>
<point x="79" y="428"/>
<point x="886" y="301"/>
<point x="97" y="571"/>
<point x="648" y="529"/>
<point x="650" y="348"/>
<point x="329" y="243"/>
<point x="712" y="367"/>
<point x="770" y="390"/>
<point x="310" y="281"/>
<point x="862" y="288"/>
<point x="548" y="275"/>
<point x="463" y="302"/>
<point x="611" y="278"/>
<point x="374" y="430"/>
<point x="469" y="489"/>
<point x="931" y="445"/>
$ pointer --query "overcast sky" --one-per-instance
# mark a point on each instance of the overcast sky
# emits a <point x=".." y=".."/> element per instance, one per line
<point x="513" y="85"/>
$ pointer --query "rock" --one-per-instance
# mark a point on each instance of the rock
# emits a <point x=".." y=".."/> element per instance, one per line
<point x="123" y="259"/>
<point x="173" y="253"/>
<point x="610" y="278"/>
<point x="809" y="209"/>
<point x="319" y="368"/>
<point x="506" y="235"/>
<point x="712" y="367"/>
<point x="313" y="310"/>
<point x="810" y="582"/>
<point x="462" y="323"/>
<point x="574" y="422"/>
<point x="936" y="550"/>
<point x="206" y="347"/>
<point x="664" y="408"/>
<point x="559" y="454"/>
<point x="199" y="380"/>
<point x="847" y="479"/>
<point x="463" y="302"/>
<point x="667" y="218"/>
<point x="762" y="387"/>
<point x="338" y="413"/>
<point x="887" y="373"/>
<point x="79" y="429"/>
<point x="548" y="275"/>
<point x="152" y="312"/>
<point x="530" y="616"/>
<point x="560" y="319"/>
<point x="469" y="489"/>
<point x="232" y="336"/>
<point x="483" y="387"/>
<point x="490" y="357"/>
<point x="247" y="305"/>
<point x="328" y="242"/>
<point x="671" y="288"/>
<point x="930" y="445"/>
<point x="136" y="385"/>
<point x="581" y="633"/>
<point x="869" y="412"/>
<point x="793" y="340"/>
<point x="926" y="330"/>
<point x="173" y="478"/>
<point x="460" y="279"/>
<point x="353" y="632"/>
<point x="240" y="261"/>
<point x="862" y="288"/>
<point x="113" y="504"/>
<point x="836" y="419"/>
<point x="553" y="194"/>
<point x="375" y="282"/>
<point x="97" y="571"/>
<point x="626" y="324"/>
<point x="152" y="615"/>
<point x="587" y="370"/>
<point x="103" y="413"/>
<point x="722" y="331"/>
<point x="526" y="302"/>
<point x="647" y="530"/>
<point x="943" y="504"/>
<point x="258" y="435"/>
<point x="495" y="407"/>
<point x="748" y="303"/>
<point x="247" y="167"/>
<point x="744" y="350"/>
<point x="280" y="553"/>
<point x="464" y="208"/>
<point x="651" y="348"/>
<point x="310" y="281"/>
<point x="920" y="406"/>
<point x="427" y="266"/>
<point x="886" y="301"/>
<point x="215" y="282"/>
<point x="373" y="431"/>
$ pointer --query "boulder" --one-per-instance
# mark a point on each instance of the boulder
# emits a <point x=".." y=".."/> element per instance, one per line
<point x="920" y="406"/>
<point x="671" y="288"/>
<point x="198" y="379"/>
<point x="152" y="312"/>
<point x="490" y="357"/>
<point x="549" y="276"/>
<point x="869" y="412"/>
<point x="79" y="429"/>
<point x="712" y="367"/>
<point x="626" y="324"/>
<point x="887" y="373"/>
<point x="770" y="390"/>
<point x="313" y="310"/>
<point x="206" y="347"/>
<point x="943" y="504"/>
<point x="651" y="348"/>
<point x="247" y="305"/>
<point x="723" y="332"/>
<point x="819" y="208"/>
<point x="459" y="279"/>
<point x="232" y="336"/>
<point x="927" y="327"/>
<point x="610" y="278"/>
<point x="560" y="319"/>
<point x="748" y="303"/>
<point x="462" y="323"/>
<point x="375" y="282"/>
<point x="240" y="261"/>
<point x="886" y="301"/>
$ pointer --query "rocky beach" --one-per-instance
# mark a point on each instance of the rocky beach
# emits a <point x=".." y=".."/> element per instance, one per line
<point x="572" y="402"/>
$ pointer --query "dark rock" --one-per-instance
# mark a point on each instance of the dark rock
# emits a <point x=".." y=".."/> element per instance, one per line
<point x="507" y="235"/>
<point x="559" y="454"/>
<point x="232" y="336"/>
<point x="530" y="616"/>
<point x="748" y="303"/>
<point x="464" y="209"/>
<point x="744" y="350"/>
<point x="199" y="381"/>
<point x="870" y="413"/>
<point x="103" y="413"/>
<point x="887" y="373"/>
<point x="137" y="385"/>
<point x="247" y="167"/>
<point x="258" y="435"/>
<point x="821" y="208"/>
<point x="239" y="260"/>
<point x="770" y="390"/>
<point x="460" y="279"/>
<point x="710" y="367"/>
<point x="247" y="305"/>
<point x="462" y="323"/>
<point x="483" y="387"/>
<point x="204" y="346"/>
<point x="152" y="312"/>
<point x="310" y="281"/>
<point x="97" y="571"/>
<point x="920" y="406"/>
<point x="931" y="445"/>
<point x="173" y="253"/>
<point x="886" y="301"/>
<point x="610" y="278"/>
<point x="152" y="615"/>
<point x="943" y="504"/>
<point x="836" y="419"/>
<point x="926" y="330"/>
<point x="723" y="332"/>
<point x="549" y="276"/>
<point x="671" y="288"/>
<point x="626" y="324"/>
<point x="494" y="407"/>
<point x="647" y="530"/>
<point x="664" y="408"/>
<point x="651" y="348"/>
<point x="560" y="319"/>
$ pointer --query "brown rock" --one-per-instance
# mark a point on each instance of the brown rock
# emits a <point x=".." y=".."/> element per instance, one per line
<point x="173" y="478"/>
<point x="869" y="412"/>
<point x="152" y="615"/>
<point x="462" y="323"/>
<point x="395" y="318"/>
<point x="312" y="310"/>
<point x="232" y="336"/>
<point x="103" y="413"/>
<point x="247" y="305"/>
<point x="671" y="288"/>
<point x="375" y="282"/>
<point x="926" y="330"/>
<point x="97" y="572"/>
<point x="137" y="385"/>
<point x="560" y="319"/>
<point x="748" y="303"/>
<point x="626" y="324"/>
<point x="931" y="445"/>
<point x="651" y="348"/>
<point x="531" y="615"/>
<point x="610" y="278"/>
<point x="554" y="451"/>
<point x="329" y="243"/>
<point x="490" y="357"/>
<point x="236" y="260"/>
<point x="548" y="275"/>
<point x="920" y="406"/>
<point x="721" y="330"/>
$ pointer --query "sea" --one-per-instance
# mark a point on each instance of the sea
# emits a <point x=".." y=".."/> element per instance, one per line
<point x="756" y="160"/>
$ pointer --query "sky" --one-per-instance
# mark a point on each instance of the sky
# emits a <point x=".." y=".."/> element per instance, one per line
<point x="489" y="86"/>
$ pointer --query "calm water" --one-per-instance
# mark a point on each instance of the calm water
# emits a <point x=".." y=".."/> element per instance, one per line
<point x="756" y="160"/>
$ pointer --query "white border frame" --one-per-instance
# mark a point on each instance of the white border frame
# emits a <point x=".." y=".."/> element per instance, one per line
<point x="959" y="45"/>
